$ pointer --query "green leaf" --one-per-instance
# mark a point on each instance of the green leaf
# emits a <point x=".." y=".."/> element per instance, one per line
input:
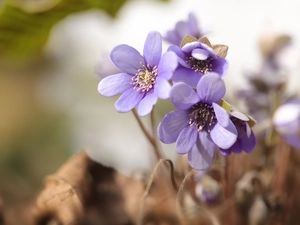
<point x="24" y="27"/>
<point x="224" y="105"/>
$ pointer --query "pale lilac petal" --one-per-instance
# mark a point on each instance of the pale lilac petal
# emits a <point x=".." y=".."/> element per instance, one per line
<point x="114" y="84"/>
<point x="171" y="125"/>
<point x="183" y="96"/>
<point x="225" y="152"/>
<point x="221" y="114"/>
<point x="127" y="58"/>
<point x="128" y="100"/>
<point x="162" y="88"/>
<point x="167" y="65"/>
<point x="189" y="47"/>
<point x="224" y="137"/>
<point x="187" y="76"/>
<point x="186" y="139"/>
<point x="153" y="48"/>
<point x="211" y="88"/>
<point x="239" y="115"/>
<point x="200" y="54"/>
<point x="248" y="143"/>
<point x="146" y="104"/>
<point x="201" y="155"/>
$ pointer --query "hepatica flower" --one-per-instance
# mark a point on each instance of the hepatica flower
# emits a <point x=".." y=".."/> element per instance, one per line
<point x="199" y="124"/>
<point x="183" y="28"/>
<point x="197" y="58"/>
<point x="286" y="120"/>
<point x="145" y="78"/>
<point x="246" y="139"/>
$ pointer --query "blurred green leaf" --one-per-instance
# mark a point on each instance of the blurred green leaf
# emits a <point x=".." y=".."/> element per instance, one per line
<point x="25" y="26"/>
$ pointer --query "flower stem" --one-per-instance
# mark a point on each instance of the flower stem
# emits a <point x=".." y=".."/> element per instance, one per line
<point x="147" y="134"/>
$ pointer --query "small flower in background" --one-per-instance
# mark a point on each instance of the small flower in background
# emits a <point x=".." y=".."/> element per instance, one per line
<point x="246" y="139"/>
<point x="207" y="189"/>
<point x="145" y="78"/>
<point x="197" y="58"/>
<point x="286" y="120"/>
<point x="183" y="28"/>
<point x="106" y="67"/>
<point x="200" y="124"/>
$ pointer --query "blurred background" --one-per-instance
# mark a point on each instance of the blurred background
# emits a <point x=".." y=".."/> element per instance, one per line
<point x="53" y="54"/>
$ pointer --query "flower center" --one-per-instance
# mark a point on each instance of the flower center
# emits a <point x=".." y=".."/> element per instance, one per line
<point x="145" y="78"/>
<point x="202" y="66"/>
<point x="203" y="116"/>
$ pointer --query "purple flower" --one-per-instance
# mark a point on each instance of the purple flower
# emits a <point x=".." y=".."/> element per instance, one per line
<point x="183" y="28"/>
<point x="246" y="139"/>
<point x="145" y="78"/>
<point x="286" y="120"/>
<point x="196" y="59"/>
<point x="208" y="190"/>
<point x="199" y="124"/>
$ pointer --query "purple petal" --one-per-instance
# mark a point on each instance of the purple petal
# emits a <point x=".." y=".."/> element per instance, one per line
<point x="114" y="84"/>
<point x="224" y="137"/>
<point x="183" y="96"/>
<point x="172" y="37"/>
<point x="220" y="66"/>
<point x="237" y="147"/>
<point x="162" y="88"/>
<point x="193" y="24"/>
<point x="221" y="114"/>
<point x="167" y="65"/>
<point x="189" y="47"/>
<point x="187" y="76"/>
<point x="211" y="88"/>
<point x="181" y="28"/>
<point x="248" y="143"/>
<point x="293" y="141"/>
<point x="186" y="139"/>
<point x="180" y="54"/>
<point x="127" y="58"/>
<point x="201" y="156"/>
<point x="146" y="104"/>
<point x="153" y="48"/>
<point x="200" y="54"/>
<point x="128" y="100"/>
<point x="171" y="125"/>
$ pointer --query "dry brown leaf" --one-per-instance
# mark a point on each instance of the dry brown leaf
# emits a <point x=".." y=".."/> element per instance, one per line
<point x="205" y="40"/>
<point x="220" y="50"/>
<point x="187" y="39"/>
<point x="64" y="192"/>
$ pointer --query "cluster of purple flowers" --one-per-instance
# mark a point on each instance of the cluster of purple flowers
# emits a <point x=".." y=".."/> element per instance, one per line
<point x="191" y="76"/>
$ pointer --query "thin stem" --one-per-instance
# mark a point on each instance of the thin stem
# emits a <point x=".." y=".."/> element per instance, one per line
<point x="147" y="134"/>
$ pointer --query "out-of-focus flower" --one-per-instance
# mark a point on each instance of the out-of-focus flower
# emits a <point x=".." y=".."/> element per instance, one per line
<point x="197" y="58"/>
<point x="246" y="139"/>
<point x="183" y="28"/>
<point x="106" y="67"/>
<point x="286" y="120"/>
<point x="199" y="124"/>
<point x="145" y="78"/>
<point x="208" y="190"/>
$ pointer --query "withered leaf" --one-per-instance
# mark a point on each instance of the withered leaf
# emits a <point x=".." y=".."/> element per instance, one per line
<point x="64" y="191"/>
<point x="187" y="39"/>
<point x="205" y="40"/>
<point x="220" y="50"/>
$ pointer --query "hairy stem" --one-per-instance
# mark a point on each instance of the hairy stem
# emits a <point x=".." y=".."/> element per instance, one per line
<point x="147" y="134"/>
